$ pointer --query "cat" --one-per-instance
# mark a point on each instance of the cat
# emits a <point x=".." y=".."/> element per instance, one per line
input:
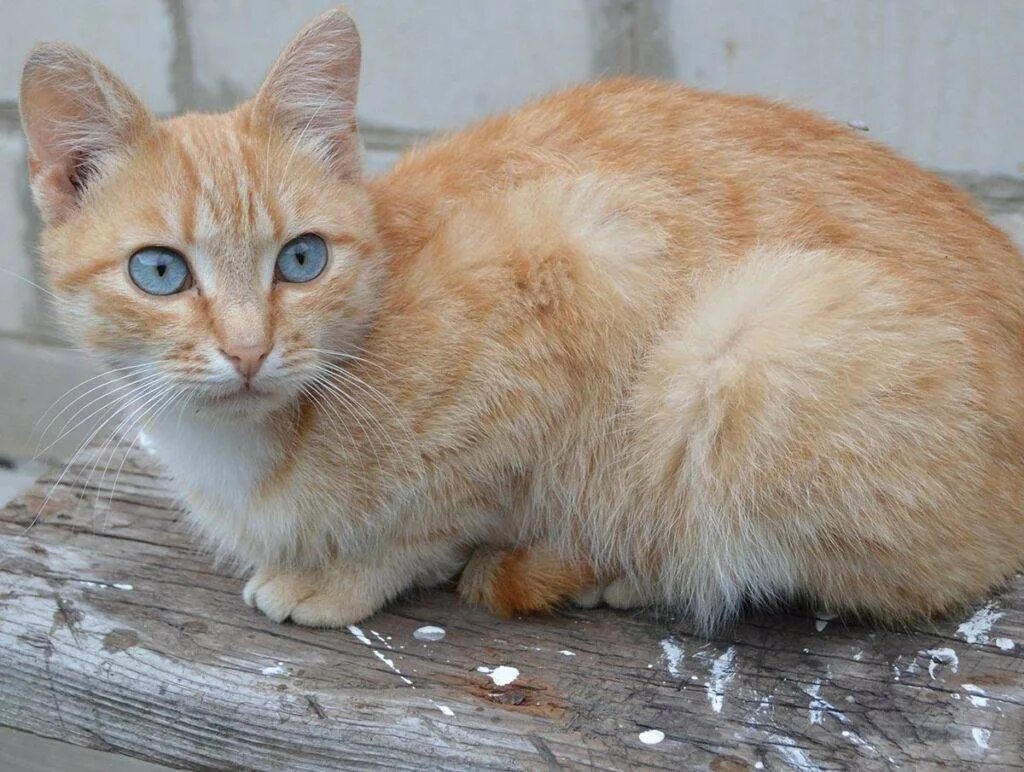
<point x="632" y="344"/>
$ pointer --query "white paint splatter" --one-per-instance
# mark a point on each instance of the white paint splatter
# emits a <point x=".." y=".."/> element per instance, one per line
<point x="981" y="737"/>
<point x="721" y="674"/>
<point x="976" y="695"/>
<point x="389" y="662"/>
<point x="567" y="653"/>
<point x="941" y="656"/>
<point x="819" y="706"/>
<point x="858" y="656"/>
<point x="105" y="585"/>
<point x="859" y="741"/>
<point x="814" y="711"/>
<point x="673" y="654"/>
<point x="359" y="634"/>
<point x="502" y="675"/>
<point x="1005" y="643"/>
<point x="977" y="628"/>
<point x="380" y="638"/>
<point x="652" y="737"/>
<point x="444" y="709"/>
<point x="430" y="633"/>
<point x="277" y="669"/>
<point x="793" y="754"/>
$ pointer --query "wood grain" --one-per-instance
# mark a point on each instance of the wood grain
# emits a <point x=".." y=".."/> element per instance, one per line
<point x="118" y="635"/>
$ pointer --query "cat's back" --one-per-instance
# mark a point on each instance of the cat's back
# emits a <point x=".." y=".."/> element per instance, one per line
<point x="723" y="175"/>
<point x="772" y="171"/>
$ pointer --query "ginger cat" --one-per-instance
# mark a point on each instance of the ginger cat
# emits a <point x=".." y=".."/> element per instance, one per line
<point x="632" y="343"/>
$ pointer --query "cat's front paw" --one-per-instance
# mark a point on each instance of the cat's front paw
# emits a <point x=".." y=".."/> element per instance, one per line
<point x="314" y="600"/>
<point x="277" y="594"/>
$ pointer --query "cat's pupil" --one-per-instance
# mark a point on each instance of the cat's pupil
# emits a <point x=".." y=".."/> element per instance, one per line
<point x="300" y="257"/>
<point x="161" y="270"/>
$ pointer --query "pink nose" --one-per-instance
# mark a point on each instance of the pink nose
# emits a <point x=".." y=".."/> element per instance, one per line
<point x="247" y="360"/>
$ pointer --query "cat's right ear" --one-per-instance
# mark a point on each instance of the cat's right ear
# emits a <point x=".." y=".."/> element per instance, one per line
<point x="78" y="118"/>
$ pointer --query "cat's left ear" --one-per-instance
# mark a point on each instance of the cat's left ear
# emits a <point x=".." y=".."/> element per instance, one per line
<point x="310" y="93"/>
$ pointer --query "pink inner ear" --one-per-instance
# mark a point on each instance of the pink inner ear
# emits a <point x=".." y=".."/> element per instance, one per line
<point x="75" y="113"/>
<point x="61" y="164"/>
<point x="57" y="173"/>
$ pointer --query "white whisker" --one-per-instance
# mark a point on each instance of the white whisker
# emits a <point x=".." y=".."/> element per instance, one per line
<point x="119" y="390"/>
<point x="76" y="400"/>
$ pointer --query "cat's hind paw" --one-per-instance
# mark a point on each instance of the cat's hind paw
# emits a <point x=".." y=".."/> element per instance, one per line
<point x="619" y="593"/>
<point x="522" y="581"/>
<point x="588" y="597"/>
<point x="622" y="593"/>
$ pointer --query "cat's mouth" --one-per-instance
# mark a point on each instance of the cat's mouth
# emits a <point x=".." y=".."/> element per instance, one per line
<point x="246" y="394"/>
<point x="253" y="398"/>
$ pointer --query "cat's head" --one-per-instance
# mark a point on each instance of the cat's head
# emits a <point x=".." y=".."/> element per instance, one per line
<point x="221" y="256"/>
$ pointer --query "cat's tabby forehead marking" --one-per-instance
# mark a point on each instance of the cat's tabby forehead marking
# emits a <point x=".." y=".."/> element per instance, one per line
<point x="228" y="186"/>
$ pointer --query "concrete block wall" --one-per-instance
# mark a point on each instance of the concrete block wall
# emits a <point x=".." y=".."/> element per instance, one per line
<point x="938" y="79"/>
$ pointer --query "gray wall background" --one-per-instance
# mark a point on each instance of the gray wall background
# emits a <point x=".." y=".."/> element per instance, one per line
<point x="940" y="80"/>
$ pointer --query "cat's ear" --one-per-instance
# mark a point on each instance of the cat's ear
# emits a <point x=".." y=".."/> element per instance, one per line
<point x="310" y="93"/>
<point x="78" y="118"/>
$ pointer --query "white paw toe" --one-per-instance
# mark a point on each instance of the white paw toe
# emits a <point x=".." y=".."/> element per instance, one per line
<point x="622" y="594"/>
<point x="277" y="597"/>
<point x="588" y="597"/>
<point x="255" y="582"/>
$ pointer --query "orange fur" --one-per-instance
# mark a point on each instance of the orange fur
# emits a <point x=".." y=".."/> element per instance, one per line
<point x="714" y="348"/>
<point x="523" y="581"/>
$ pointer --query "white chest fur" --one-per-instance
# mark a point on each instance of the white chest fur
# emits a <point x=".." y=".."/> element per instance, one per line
<point x="218" y="466"/>
<point x="222" y="461"/>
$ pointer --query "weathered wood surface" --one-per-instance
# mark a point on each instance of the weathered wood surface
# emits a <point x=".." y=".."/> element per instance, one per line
<point x="116" y="634"/>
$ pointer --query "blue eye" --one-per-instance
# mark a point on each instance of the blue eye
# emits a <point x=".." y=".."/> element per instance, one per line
<point x="301" y="259"/>
<point x="159" y="271"/>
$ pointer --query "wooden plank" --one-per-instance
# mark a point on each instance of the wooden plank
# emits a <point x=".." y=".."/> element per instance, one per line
<point x="117" y="635"/>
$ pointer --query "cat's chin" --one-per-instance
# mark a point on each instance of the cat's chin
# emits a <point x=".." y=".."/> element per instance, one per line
<point x="248" y="403"/>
